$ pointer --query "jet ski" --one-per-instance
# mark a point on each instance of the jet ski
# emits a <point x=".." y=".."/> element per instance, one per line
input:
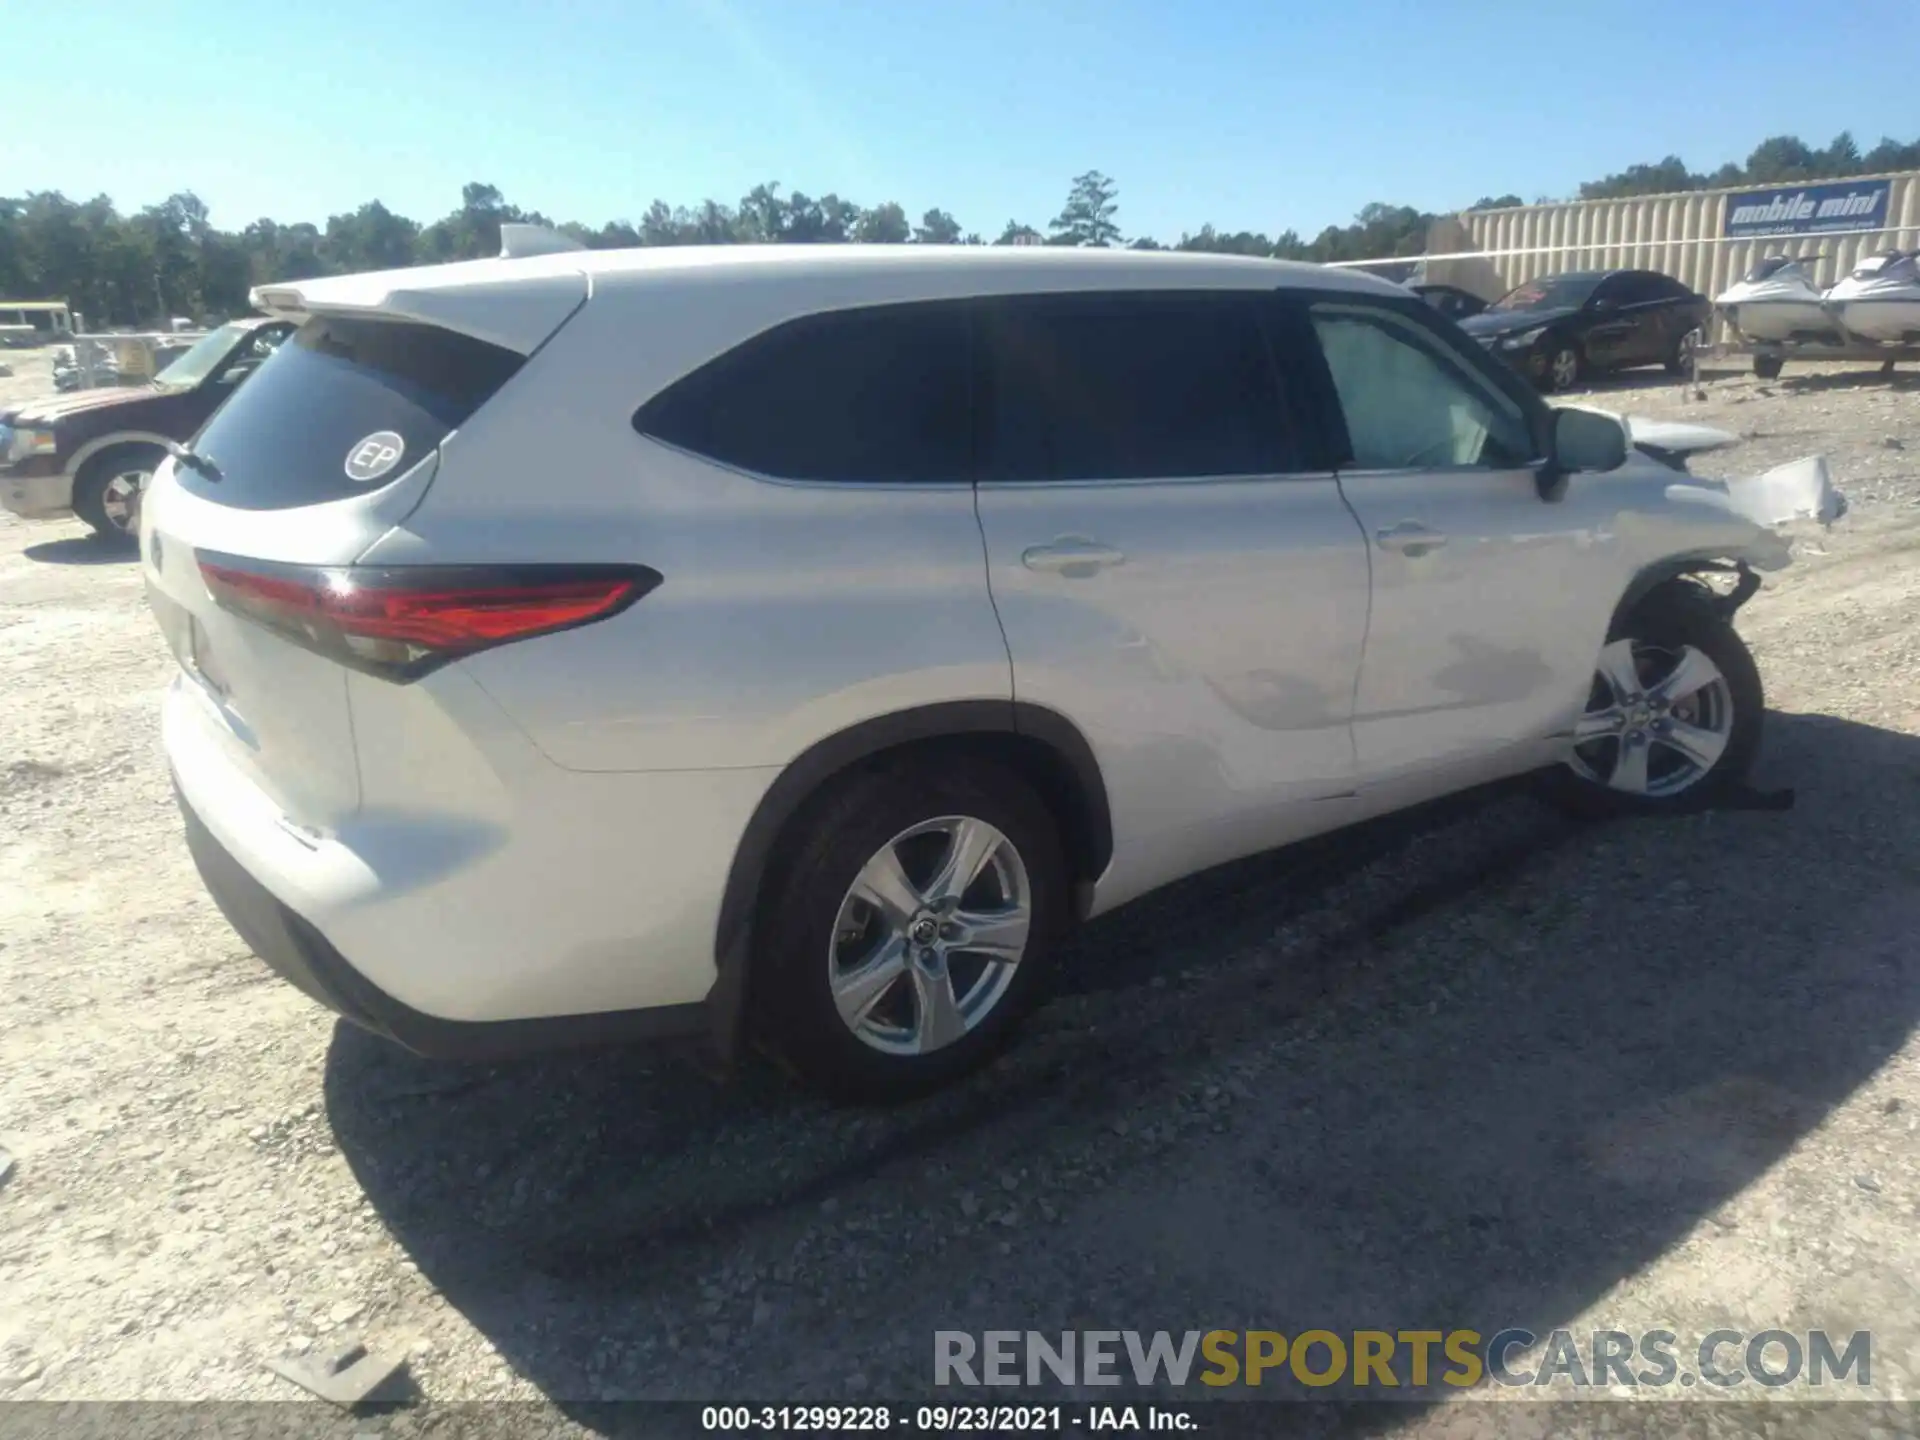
<point x="1880" y="300"/>
<point x="1778" y="301"/>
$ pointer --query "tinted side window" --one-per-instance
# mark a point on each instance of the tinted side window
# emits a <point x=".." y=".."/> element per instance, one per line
<point x="1129" y="387"/>
<point x="1611" y="292"/>
<point x="1409" y="402"/>
<point x="1637" y="289"/>
<point x="880" y="395"/>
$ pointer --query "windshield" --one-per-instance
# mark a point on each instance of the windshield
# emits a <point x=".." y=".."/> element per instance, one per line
<point x="1555" y="292"/>
<point x="192" y="366"/>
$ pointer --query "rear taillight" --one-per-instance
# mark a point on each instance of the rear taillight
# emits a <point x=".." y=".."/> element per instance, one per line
<point x="401" y="621"/>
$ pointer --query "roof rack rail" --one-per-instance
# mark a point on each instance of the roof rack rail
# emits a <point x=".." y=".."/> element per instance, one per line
<point x="517" y="241"/>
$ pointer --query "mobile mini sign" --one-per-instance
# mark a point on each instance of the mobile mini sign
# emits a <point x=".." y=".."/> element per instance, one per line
<point x="1809" y="209"/>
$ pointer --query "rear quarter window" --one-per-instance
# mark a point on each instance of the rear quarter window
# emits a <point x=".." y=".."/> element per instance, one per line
<point x="878" y="395"/>
<point x="338" y="389"/>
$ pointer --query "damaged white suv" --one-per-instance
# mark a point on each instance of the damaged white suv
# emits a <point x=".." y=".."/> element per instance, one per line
<point x="791" y="643"/>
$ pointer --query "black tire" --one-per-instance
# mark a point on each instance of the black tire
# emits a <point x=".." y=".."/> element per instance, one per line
<point x="1768" y="367"/>
<point x="795" y="1012"/>
<point x="90" y="490"/>
<point x="1679" y="615"/>
<point x="1564" y="359"/>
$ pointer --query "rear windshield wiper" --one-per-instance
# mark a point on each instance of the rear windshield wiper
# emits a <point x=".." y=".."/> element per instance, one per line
<point x="195" y="460"/>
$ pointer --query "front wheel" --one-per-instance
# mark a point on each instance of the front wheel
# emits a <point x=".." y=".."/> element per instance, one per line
<point x="911" y="927"/>
<point x="1564" y="366"/>
<point x="108" y="490"/>
<point x="1673" y="716"/>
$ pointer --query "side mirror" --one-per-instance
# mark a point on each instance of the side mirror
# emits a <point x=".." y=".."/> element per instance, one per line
<point x="1583" y="440"/>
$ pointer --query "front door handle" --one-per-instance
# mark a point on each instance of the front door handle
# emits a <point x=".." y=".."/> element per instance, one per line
<point x="1409" y="539"/>
<point x="1072" y="556"/>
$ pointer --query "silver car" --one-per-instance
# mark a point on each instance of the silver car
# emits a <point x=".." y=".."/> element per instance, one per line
<point x="794" y="643"/>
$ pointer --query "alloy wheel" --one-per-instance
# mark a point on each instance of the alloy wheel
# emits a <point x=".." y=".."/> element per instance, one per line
<point x="120" y="499"/>
<point x="1564" y="368"/>
<point x="1657" y="720"/>
<point x="1690" y="344"/>
<point x="929" y="935"/>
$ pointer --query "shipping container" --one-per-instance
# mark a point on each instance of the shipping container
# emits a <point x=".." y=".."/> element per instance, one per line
<point x="1684" y="235"/>
<point x="1680" y="235"/>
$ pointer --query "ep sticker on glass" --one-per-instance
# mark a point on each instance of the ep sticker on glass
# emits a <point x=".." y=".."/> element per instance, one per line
<point x="375" y="456"/>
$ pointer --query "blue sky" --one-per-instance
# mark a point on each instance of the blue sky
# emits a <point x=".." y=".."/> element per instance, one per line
<point x="1252" y="114"/>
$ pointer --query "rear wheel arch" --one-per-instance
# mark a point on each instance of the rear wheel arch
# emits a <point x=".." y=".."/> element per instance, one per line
<point x="1040" y="745"/>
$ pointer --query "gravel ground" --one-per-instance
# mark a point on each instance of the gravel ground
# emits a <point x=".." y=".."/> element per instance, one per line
<point x="1478" y="1066"/>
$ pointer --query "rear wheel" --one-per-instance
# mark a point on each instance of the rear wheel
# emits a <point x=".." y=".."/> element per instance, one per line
<point x="1673" y="715"/>
<point x="911" y="928"/>
<point x="107" y="491"/>
<point x="1680" y="360"/>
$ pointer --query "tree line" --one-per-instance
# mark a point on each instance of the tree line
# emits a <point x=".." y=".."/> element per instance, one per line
<point x="169" y="259"/>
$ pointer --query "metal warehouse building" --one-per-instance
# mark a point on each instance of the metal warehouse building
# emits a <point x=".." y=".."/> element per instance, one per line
<point x="1707" y="239"/>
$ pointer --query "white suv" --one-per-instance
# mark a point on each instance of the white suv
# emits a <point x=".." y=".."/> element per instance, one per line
<point x="791" y="643"/>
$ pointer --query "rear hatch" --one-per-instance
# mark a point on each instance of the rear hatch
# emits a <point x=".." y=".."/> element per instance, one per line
<point x="327" y="447"/>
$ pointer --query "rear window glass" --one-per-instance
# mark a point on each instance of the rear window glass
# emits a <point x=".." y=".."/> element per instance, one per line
<point x="879" y="395"/>
<point x="345" y="406"/>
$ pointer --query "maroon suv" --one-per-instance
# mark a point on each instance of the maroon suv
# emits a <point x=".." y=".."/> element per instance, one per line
<point x="91" y="454"/>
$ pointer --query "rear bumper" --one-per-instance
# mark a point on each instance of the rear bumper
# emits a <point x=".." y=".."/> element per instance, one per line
<point x="302" y="956"/>
<point x="558" y="910"/>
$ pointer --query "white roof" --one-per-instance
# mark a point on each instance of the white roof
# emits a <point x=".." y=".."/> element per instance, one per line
<point x="518" y="303"/>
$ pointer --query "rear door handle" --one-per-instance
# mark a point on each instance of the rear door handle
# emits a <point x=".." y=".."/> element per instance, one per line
<point x="1409" y="539"/>
<point x="1072" y="556"/>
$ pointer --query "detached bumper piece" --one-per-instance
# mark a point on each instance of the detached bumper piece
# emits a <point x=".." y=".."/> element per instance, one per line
<point x="305" y="959"/>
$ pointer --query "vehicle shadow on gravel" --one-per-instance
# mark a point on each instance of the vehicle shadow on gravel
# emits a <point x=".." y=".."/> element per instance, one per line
<point x="1475" y="1065"/>
<point x="1868" y="377"/>
<point x="81" y="550"/>
<point x="1621" y="382"/>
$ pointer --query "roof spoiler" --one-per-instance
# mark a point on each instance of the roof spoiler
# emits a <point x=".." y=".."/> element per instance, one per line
<point x="517" y="241"/>
<point x="283" y="301"/>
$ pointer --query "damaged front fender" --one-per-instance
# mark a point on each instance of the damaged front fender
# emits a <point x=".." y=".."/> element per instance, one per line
<point x="1801" y="490"/>
<point x="1772" y="504"/>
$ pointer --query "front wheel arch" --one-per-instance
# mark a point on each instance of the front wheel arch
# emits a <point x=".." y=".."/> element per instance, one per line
<point x="119" y="439"/>
<point x="1679" y="578"/>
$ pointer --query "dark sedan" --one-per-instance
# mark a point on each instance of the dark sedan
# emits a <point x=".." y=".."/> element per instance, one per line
<point x="1450" y="300"/>
<point x="1562" y="329"/>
